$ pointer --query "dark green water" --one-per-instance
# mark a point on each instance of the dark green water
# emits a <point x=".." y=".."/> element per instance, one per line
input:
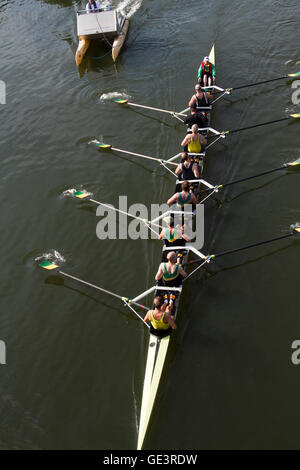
<point x="76" y="358"/>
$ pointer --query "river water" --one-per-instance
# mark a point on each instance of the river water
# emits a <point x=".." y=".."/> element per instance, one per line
<point x="75" y="358"/>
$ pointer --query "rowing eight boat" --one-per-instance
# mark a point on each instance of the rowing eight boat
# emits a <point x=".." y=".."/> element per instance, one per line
<point x="158" y="346"/>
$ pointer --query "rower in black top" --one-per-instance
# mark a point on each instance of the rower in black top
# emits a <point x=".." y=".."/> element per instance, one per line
<point x="201" y="98"/>
<point x="195" y="117"/>
<point x="188" y="169"/>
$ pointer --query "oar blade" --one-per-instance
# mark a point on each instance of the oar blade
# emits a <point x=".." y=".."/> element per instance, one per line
<point x="295" y="163"/>
<point x="297" y="74"/>
<point x="295" y="115"/>
<point x="102" y="145"/>
<point x="81" y="194"/>
<point x="121" y="101"/>
<point x="48" y="265"/>
<point x="295" y="228"/>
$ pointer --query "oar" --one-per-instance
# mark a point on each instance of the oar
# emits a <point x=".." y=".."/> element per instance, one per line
<point x="55" y="267"/>
<point x="283" y="167"/>
<point x="83" y="194"/>
<point x="102" y="145"/>
<point x="289" y="75"/>
<point x="295" y="230"/>
<point x="225" y="133"/>
<point x="172" y="113"/>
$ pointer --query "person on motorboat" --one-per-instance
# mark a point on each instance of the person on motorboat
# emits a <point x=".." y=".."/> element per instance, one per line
<point x="188" y="168"/>
<point x="170" y="272"/>
<point x="196" y="117"/>
<point x="93" y="6"/>
<point x="173" y="236"/>
<point x="201" y="98"/>
<point x="207" y="73"/>
<point x="183" y="197"/>
<point x="195" y="142"/>
<point x="160" y="317"/>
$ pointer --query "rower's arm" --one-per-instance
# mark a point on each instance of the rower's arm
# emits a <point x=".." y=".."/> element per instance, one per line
<point x="178" y="169"/>
<point x="203" y="139"/>
<point x="172" y="199"/>
<point x="170" y="318"/>
<point x="196" y="171"/>
<point x="185" y="141"/>
<point x="161" y="235"/>
<point x="200" y="72"/>
<point x="213" y="69"/>
<point x="192" y="101"/>
<point x="159" y="273"/>
<point x="182" y="272"/>
<point x="147" y="317"/>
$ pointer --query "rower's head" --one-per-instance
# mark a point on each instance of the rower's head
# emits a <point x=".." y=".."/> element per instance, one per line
<point x="184" y="156"/>
<point x="193" y="109"/>
<point x="206" y="59"/>
<point x="172" y="257"/>
<point x="158" y="301"/>
<point x="169" y="221"/>
<point x="185" y="186"/>
<point x="197" y="87"/>
<point x="195" y="128"/>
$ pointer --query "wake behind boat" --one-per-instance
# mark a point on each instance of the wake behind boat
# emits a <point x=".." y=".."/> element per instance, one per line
<point x="107" y="24"/>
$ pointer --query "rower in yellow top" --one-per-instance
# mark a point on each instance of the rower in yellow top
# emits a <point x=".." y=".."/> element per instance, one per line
<point x="183" y="197"/>
<point x="195" y="142"/>
<point x="160" y="318"/>
<point x="170" y="272"/>
<point x="173" y="236"/>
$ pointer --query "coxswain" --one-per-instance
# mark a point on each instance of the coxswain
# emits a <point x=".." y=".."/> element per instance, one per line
<point x="194" y="141"/>
<point x="170" y="272"/>
<point x="196" y="117"/>
<point x="160" y="317"/>
<point x="201" y="98"/>
<point x="207" y="72"/>
<point x="173" y="236"/>
<point x="183" y="197"/>
<point x="187" y="169"/>
<point x="93" y="6"/>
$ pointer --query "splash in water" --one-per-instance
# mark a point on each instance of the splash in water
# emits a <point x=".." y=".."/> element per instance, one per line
<point x="54" y="256"/>
<point x="113" y="96"/>
<point x="129" y="7"/>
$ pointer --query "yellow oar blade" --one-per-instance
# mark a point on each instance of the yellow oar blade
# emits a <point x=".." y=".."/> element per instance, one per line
<point x="81" y="194"/>
<point x="48" y="265"/>
<point x="295" y="163"/>
<point x="297" y="74"/>
<point x="121" y="101"/>
<point x="102" y="145"/>
<point x="296" y="115"/>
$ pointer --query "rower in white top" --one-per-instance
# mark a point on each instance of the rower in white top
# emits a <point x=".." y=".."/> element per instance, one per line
<point x="93" y="6"/>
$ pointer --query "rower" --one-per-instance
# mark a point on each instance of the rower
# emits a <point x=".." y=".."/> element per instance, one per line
<point x="160" y="317"/>
<point x="188" y="168"/>
<point x="207" y="72"/>
<point x="194" y="141"/>
<point x="170" y="272"/>
<point x="196" y="117"/>
<point x="173" y="236"/>
<point x="183" y="197"/>
<point x="93" y="6"/>
<point x="201" y="98"/>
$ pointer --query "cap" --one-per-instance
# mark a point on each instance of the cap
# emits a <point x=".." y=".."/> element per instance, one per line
<point x="168" y="220"/>
<point x="206" y="58"/>
<point x="197" y="87"/>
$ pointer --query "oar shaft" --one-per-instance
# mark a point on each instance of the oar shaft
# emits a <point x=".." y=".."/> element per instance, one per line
<point x="156" y="109"/>
<point x="207" y="190"/>
<point x="259" y="125"/>
<point x="223" y="253"/>
<point x="141" y="155"/>
<point x="259" y="83"/>
<point x="98" y="288"/>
